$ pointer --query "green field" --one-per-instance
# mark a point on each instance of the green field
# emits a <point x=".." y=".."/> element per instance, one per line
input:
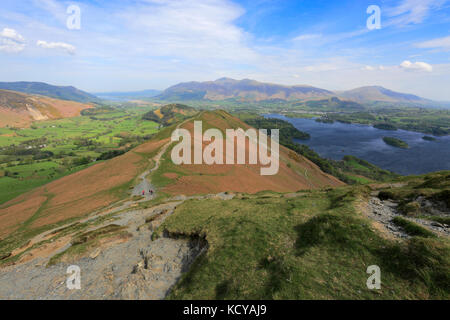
<point x="30" y="157"/>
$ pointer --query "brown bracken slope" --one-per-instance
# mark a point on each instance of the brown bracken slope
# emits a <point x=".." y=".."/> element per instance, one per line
<point x="295" y="172"/>
<point x="20" y="109"/>
<point x="77" y="194"/>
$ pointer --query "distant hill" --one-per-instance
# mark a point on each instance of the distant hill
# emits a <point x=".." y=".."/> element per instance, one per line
<point x="244" y="90"/>
<point x="170" y="113"/>
<point x="377" y="93"/>
<point x="20" y="110"/>
<point x="331" y="103"/>
<point x="58" y="92"/>
<point x="126" y="96"/>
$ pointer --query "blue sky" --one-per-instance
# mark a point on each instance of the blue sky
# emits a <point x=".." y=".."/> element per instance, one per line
<point x="152" y="44"/>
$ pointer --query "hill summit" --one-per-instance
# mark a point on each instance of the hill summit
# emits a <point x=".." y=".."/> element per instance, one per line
<point x="170" y="113"/>
<point x="295" y="172"/>
<point x="245" y="90"/>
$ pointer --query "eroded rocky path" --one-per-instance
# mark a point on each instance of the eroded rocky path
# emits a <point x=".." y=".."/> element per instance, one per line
<point x="384" y="211"/>
<point x="134" y="267"/>
<point x="145" y="185"/>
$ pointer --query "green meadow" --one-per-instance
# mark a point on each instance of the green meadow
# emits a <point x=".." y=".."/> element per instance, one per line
<point x="48" y="150"/>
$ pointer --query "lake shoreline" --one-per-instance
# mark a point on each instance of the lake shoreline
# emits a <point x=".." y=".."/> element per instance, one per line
<point x="335" y="140"/>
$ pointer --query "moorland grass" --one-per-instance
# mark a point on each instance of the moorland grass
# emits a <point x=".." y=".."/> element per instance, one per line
<point x="413" y="229"/>
<point x="314" y="247"/>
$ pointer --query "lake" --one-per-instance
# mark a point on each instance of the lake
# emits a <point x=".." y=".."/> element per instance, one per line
<point x="336" y="140"/>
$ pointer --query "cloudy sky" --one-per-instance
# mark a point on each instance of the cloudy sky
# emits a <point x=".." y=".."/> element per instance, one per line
<point x="152" y="44"/>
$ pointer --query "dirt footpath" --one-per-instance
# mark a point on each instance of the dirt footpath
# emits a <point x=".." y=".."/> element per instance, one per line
<point x="136" y="269"/>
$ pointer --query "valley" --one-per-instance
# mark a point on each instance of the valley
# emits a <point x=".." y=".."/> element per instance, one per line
<point x="100" y="190"/>
<point x="30" y="157"/>
<point x="227" y="159"/>
<point x="233" y="245"/>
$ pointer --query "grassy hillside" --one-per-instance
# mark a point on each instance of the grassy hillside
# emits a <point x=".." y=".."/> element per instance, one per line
<point x="295" y="172"/>
<point x="20" y="110"/>
<point x="317" y="245"/>
<point x="418" y="192"/>
<point x="170" y="114"/>
<point x="300" y="234"/>
<point x="48" y="150"/>
<point x="76" y="194"/>
<point x="106" y="182"/>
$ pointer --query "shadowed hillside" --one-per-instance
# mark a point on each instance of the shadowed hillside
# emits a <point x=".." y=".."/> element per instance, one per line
<point x="170" y="114"/>
<point x="58" y="92"/>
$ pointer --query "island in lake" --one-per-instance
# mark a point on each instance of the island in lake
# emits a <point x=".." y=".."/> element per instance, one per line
<point x="395" y="142"/>
<point x="385" y="126"/>
<point x="428" y="138"/>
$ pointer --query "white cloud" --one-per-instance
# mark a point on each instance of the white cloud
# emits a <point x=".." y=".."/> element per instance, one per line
<point x="303" y="37"/>
<point x="374" y="68"/>
<point x="159" y="43"/>
<point x="443" y="43"/>
<point x="416" y="66"/>
<point x="413" y="11"/>
<point x="70" y="49"/>
<point x="12" y="34"/>
<point x="11" y="41"/>
<point x="57" y="10"/>
<point x="190" y="29"/>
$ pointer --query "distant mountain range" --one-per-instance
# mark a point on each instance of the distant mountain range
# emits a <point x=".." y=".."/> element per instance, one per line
<point x="227" y="89"/>
<point x="377" y="93"/>
<point x="126" y="96"/>
<point x="245" y="90"/>
<point x="58" y="92"/>
<point x="250" y="90"/>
